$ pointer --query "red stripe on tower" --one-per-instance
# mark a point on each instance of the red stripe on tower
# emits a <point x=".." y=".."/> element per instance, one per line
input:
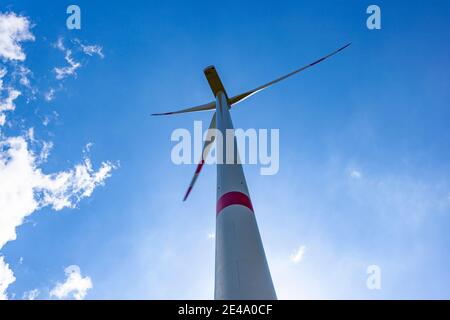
<point x="233" y="198"/>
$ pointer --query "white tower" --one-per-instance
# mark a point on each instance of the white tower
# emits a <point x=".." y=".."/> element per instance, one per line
<point x="241" y="270"/>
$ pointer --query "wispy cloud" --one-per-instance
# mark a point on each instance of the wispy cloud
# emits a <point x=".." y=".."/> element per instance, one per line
<point x="297" y="256"/>
<point x="45" y="151"/>
<point x="70" y="70"/>
<point x="7" y="103"/>
<point x="355" y="174"/>
<point x="23" y="73"/>
<point x="59" y="44"/>
<point x="75" y="286"/>
<point x="49" y="118"/>
<point x="73" y="65"/>
<point x="49" y="95"/>
<point x="7" y="96"/>
<point x="91" y="50"/>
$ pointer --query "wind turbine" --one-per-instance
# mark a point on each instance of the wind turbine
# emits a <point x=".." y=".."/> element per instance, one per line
<point x="241" y="269"/>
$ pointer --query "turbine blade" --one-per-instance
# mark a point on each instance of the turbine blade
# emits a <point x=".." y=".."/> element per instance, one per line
<point x="245" y="95"/>
<point x="203" y="107"/>
<point x="206" y="147"/>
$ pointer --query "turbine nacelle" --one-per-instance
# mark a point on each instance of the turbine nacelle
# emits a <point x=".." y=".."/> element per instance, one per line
<point x="214" y="81"/>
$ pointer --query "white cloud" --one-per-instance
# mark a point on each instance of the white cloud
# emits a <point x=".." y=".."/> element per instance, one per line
<point x="6" y="101"/>
<point x="49" y="118"/>
<point x="211" y="235"/>
<point x="60" y="44"/>
<point x="49" y="95"/>
<point x="3" y="73"/>
<point x="75" y="286"/>
<point x="297" y="256"/>
<point x="90" y="50"/>
<point x="31" y="295"/>
<point x="45" y="151"/>
<point x="14" y="29"/>
<point x="30" y="134"/>
<point x="6" y="278"/>
<point x="88" y="147"/>
<point x="24" y="188"/>
<point x="23" y="73"/>
<point x="70" y="70"/>
<point x="355" y="174"/>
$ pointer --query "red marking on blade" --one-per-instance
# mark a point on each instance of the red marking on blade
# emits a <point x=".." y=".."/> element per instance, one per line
<point x="199" y="167"/>
<point x="187" y="193"/>
<point x="233" y="198"/>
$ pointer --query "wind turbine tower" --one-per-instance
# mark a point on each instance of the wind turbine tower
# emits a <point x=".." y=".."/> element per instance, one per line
<point x="241" y="268"/>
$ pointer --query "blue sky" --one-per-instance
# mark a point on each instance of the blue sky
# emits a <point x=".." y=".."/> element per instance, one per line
<point x="364" y="145"/>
